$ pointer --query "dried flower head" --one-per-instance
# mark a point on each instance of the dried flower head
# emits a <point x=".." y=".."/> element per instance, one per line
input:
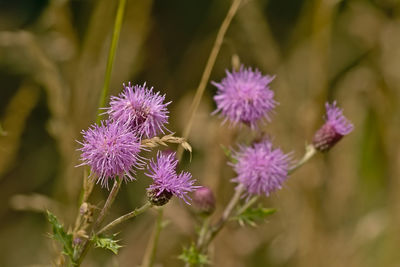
<point x="260" y="168"/>
<point x="144" y="110"/>
<point x="166" y="182"/>
<point x="111" y="150"/>
<point x="336" y="126"/>
<point x="244" y="96"/>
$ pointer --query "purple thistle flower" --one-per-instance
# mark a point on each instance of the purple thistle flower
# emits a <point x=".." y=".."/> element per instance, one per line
<point x="111" y="150"/>
<point x="244" y="96"/>
<point x="141" y="108"/>
<point x="336" y="126"/>
<point x="260" y="168"/>
<point x="166" y="182"/>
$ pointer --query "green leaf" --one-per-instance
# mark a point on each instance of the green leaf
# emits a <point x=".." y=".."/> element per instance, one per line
<point x="251" y="215"/>
<point x="228" y="154"/>
<point x="107" y="243"/>
<point x="61" y="235"/>
<point x="193" y="257"/>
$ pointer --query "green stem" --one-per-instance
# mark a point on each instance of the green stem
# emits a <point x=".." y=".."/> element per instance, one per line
<point x="151" y="249"/>
<point x="310" y="152"/>
<point x="207" y="70"/>
<point x="111" y="197"/>
<point x="224" y="218"/>
<point x="111" y="55"/>
<point x="203" y="231"/>
<point x="125" y="217"/>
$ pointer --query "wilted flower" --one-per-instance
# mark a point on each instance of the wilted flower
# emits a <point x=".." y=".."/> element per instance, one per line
<point x="111" y="150"/>
<point x="260" y="168"/>
<point x="141" y="108"/>
<point x="166" y="182"/>
<point x="244" y="96"/>
<point x="336" y="126"/>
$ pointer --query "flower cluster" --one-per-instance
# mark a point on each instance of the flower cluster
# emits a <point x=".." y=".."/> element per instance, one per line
<point x="112" y="148"/>
<point x="245" y="97"/>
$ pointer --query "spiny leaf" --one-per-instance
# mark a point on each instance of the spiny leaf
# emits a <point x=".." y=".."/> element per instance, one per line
<point x="61" y="235"/>
<point x="193" y="257"/>
<point x="107" y="243"/>
<point x="251" y="215"/>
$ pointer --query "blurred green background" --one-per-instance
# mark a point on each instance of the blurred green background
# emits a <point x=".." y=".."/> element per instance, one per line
<point x="341" y="209"/>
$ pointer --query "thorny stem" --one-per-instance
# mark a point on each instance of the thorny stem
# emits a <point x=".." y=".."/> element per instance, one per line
<point x="209" y="66"/>
<point x="100" y="219"/>
<point x="111" y="55"/>
<point x="310" y="152"/>
<point x="203" y="231"/>
<point x="150" y="254"/>
<point x="125" y="217"/>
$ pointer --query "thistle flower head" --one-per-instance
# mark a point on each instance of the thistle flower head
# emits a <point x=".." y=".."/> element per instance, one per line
<point x="166" y="182"/>
<point x="336" y="126"/>
<point x="111" y="150"/>
<point x="260" y="168"/>
<point x="244" y="96"/>
<point x="140" y="107"/>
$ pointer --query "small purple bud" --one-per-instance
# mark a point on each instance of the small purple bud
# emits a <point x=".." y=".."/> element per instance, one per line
<point x="336" y="126"/>
<point x="204" y="200"/>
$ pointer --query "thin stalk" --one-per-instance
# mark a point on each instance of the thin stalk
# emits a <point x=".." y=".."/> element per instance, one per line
<point x="125" y="217"/>
<point x="203" y="231"/>
<point x="100" y="219"/>
<point x="207" y="70"/>
<point x="310" y="152"/>
<point x="224" y="218"/>
<point x="151" y="250"/>
<point x="111" y="55"/>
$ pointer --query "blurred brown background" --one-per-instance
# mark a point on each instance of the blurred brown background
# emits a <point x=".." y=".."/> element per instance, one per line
<point x="341" y="209"/>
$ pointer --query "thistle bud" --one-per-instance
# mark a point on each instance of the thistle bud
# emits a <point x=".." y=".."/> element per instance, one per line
<point x="336" y="126"/>
<point x="204" y="200"/>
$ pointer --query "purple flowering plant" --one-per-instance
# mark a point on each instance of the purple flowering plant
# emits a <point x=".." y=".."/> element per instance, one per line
<point x="117" y="148"/>
<point x="261" y="168"/>
<point x="144" y="110"/>
<point x="245" y="96"/>
<point x="111" y="150"/>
